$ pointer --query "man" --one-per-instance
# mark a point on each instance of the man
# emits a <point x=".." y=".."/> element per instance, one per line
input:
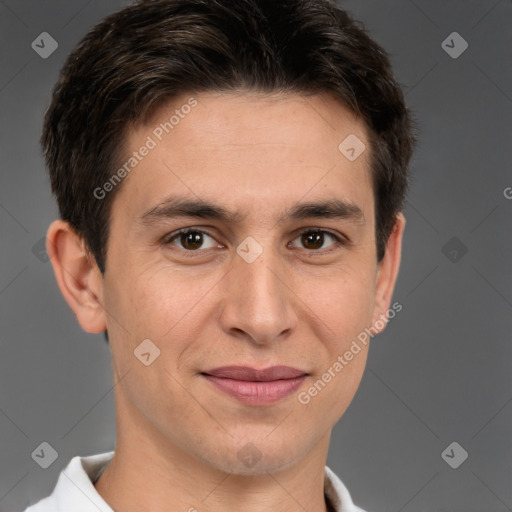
<point x="230" y="178"/>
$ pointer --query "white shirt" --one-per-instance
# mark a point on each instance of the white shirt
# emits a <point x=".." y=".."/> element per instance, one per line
<point x="75" y="490"/>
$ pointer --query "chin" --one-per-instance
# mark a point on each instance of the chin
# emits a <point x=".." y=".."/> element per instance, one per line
<point x="254" y="458"/>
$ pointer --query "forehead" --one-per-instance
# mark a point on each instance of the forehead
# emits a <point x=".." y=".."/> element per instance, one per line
<point x="252" y="150"/>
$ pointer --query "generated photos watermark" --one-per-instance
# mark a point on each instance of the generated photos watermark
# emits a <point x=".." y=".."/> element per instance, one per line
<point x="363" y="337"/>
<point x="152" y="140"/>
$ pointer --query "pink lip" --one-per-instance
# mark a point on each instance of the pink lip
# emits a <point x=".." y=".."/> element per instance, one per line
<point x="256" y="387"/>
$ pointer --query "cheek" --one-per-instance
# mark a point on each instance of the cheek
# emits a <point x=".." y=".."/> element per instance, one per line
<point x="344" y="301"/>
<point x="167" y="306"/>
<point x="159" y="305"/>
<point x="344" y="308"/>
<point x="153" y="299"/>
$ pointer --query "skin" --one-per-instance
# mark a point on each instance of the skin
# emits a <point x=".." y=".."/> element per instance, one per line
<point x="298" y="304"/>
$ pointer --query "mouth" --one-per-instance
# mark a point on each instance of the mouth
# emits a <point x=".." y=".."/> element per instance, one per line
<point x="256" y="387"/>
<point x="248" y="374"/>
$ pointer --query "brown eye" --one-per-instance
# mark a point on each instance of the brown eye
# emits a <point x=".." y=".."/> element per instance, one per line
<point x="191" y="240"/>
<point x="314" y="240"/>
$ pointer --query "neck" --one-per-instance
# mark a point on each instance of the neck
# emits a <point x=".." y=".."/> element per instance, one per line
<point x="151" y="473"/>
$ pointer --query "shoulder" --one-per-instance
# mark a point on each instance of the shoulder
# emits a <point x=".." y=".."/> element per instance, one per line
<point x="75" y="487"/>
<point x="338" y="493"/>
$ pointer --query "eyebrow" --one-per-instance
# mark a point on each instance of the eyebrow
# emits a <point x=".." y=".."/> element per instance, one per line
<point x="175" y="206"/>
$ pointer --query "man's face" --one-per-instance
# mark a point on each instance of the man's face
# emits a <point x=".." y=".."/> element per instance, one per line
<point x="267" y="288"/>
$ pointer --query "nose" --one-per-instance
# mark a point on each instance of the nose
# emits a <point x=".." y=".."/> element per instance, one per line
<point x="258" y="301"/>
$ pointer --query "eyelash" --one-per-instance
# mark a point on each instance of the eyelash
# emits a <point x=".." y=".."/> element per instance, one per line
<point x="340" y="241"/>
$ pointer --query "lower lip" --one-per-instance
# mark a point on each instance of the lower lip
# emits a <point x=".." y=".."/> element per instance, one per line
<point x="257" y="393"/>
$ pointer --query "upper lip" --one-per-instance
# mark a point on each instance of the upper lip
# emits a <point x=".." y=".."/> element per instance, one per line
<point x="247" y="373"/>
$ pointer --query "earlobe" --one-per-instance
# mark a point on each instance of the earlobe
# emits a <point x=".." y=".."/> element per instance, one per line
<point x="77" y="275"/>
<point x="388" y="270"/>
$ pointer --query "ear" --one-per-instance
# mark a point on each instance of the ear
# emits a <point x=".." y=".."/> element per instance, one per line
<point x="387" y="273"/>
<point x="79" y="278"/>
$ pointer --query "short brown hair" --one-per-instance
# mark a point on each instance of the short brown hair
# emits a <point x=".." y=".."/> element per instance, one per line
<point x="154" y="50"/>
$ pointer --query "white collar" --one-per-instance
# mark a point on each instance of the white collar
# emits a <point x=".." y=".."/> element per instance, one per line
<point x="75" y="490"/>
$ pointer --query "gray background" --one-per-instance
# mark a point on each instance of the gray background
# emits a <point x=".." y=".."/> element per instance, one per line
<point x="439" y="373"/>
